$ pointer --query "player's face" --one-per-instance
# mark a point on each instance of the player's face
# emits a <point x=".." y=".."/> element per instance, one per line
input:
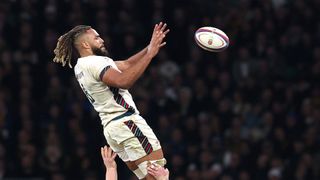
<point x="97" y="44"/>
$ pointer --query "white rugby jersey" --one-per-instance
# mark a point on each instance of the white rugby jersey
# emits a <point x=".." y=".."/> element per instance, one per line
<point x="109" y="102"/>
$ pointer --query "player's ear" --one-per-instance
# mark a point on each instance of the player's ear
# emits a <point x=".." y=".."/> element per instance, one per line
<point x="83" y="41"/>
<point x="85" y="44"/>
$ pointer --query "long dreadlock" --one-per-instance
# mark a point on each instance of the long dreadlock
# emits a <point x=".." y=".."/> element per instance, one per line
<point x="64" y="49"/>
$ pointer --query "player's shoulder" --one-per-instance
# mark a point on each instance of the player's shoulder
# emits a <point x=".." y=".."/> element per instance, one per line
<point x="94" y="57"/>
<point x="91" y="60"/>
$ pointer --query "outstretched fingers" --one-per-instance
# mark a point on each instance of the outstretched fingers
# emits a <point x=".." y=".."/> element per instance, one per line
<point x="108" y="157"/>
<point x="159" y="33"/>
<point x="166" y="32"/>
<point x="161" y="37"/>
<point x="102" y="153"/>
<point x="158" y="38"/>
<point x="163" y="26"/>
<point x="163" y="44"/>
<point x="155" y="29"/>
<point x="109" y="151"/>
<point x="163" y="32"/>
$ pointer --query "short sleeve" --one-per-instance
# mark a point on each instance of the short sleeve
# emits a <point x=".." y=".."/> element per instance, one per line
<point x="99" y="66"/>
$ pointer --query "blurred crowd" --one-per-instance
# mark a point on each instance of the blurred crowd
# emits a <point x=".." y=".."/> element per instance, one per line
<point x="251" y="112"/>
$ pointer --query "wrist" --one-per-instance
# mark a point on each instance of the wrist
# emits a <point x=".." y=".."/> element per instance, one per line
<point x="149" y="55"/>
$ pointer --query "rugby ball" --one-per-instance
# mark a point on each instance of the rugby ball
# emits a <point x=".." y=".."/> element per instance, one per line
<point x="211" y="39"/>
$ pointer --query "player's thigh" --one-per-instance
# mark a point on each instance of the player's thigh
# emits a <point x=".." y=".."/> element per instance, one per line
<point x="153" y="156"/>
<point x="142" y="141"/>
<point x="131" y="138"/>
<point x="131" y="165"/>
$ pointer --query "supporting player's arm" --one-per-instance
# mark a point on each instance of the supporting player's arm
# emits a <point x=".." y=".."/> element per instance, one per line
<point x="158" y="172"/>
<point x="108" y="157"/>
<point x="128" y="76"/>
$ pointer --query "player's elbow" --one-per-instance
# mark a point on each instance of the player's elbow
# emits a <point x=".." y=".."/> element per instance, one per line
<point x="124" y="82"/>
<point x="125" y="85"/>
<point x="118" y="81"/>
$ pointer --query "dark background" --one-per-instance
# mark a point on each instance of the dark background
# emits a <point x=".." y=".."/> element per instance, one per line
<point x="250" y="112"/>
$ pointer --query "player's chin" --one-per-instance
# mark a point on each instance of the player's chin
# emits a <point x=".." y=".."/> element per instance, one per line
<point x="103" y="48"/>
<point x="105" y="51"/>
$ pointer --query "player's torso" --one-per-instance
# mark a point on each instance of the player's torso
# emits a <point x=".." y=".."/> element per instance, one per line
<point x="96" y="91"/>
<point x="109" y="102"/>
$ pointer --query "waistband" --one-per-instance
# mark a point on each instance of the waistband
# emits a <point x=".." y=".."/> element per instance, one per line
<point x="128" y="113"/>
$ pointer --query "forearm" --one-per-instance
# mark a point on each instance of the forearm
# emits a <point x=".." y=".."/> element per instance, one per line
<point x="125" y="64"/>
<point x="127" y="77"/>
<point x="138" y="63"/>
<point x="111" y="174"/>
<point x="133" y="59"/>
<point x="131" y="74"/>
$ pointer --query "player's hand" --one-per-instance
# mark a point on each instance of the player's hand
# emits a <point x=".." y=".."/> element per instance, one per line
<point x="159" y="33"/>
<point x="108" y="157"/>
<point x="158" y="172"/>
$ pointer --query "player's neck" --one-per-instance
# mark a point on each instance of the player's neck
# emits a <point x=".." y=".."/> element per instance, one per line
<point x="85" y="53"/>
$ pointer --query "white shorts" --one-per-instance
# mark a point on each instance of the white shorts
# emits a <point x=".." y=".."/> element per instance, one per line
<point x="131" y="137"/>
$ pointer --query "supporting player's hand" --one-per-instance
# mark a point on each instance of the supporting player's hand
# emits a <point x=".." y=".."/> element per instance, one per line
<point x="159" y="33"/>
<point x="108" y="157"/>
<point x="158" y="172"/>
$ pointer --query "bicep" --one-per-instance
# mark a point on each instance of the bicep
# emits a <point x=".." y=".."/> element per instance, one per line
<point x="122" y="65"/>
<point x="112" y="77"/>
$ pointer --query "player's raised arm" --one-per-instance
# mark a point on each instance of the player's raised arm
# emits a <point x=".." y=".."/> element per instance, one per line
<point x="159" y="32"/>
<point x="125" y="64"/>
<point x="129" y="75"/>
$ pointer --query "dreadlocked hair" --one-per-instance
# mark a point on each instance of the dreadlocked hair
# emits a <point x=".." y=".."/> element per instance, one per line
<point x="64" y="49"/>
